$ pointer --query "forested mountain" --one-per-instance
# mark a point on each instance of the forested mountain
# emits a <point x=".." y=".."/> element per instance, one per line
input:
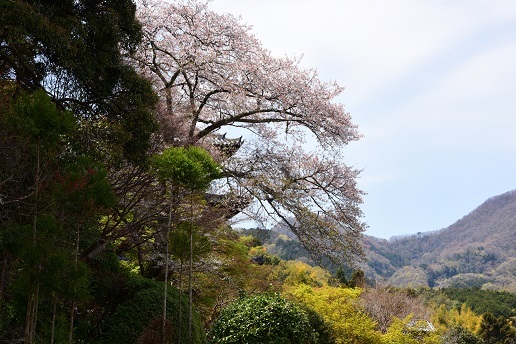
<point x="478" y="250"/>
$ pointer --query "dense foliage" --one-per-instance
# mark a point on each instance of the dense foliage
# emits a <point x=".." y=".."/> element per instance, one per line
<point x="117" y="189"/>
<point x="480" y="301"/>
<point x="74" y="50"/>
<point x="497" y="329"/>
<point x="458" y="335"/>
<point x="265" y="319"/>
<point x="139" y="318"/>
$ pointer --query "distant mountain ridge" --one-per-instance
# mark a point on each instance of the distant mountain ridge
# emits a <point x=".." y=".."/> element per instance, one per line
<point x="479" y="250"/>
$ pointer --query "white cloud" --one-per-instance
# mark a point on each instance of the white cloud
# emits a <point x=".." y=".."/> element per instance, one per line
<point x="489" y="74"/>
<point x="431" y="84"/>
<point x="365" y="45"/>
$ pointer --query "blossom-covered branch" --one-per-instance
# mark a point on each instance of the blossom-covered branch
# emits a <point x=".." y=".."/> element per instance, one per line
<point x="212" y="74"/>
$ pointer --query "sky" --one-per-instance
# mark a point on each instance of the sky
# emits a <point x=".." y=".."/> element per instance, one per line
<point x="431" y="85"/>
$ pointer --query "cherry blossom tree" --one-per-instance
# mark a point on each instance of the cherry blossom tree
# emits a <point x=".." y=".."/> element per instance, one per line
<point x="214" y="77"/>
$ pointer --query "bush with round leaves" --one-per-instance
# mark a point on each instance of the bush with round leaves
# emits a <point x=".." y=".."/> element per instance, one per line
<point x="266" y="319"/>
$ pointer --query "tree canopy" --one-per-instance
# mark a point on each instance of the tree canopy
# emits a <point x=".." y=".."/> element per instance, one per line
<point x="212" y="75"/>
<point x="75" y="51"/>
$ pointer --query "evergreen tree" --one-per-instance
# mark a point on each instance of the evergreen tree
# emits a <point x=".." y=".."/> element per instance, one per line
<point x="75" y="51"/>
<point x="190" y="169"/>
<point x="495" y="330"/>
<point x="70" y="107"/>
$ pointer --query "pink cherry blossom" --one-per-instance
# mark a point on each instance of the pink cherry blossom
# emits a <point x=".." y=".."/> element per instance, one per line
<point x="212" y="76"/>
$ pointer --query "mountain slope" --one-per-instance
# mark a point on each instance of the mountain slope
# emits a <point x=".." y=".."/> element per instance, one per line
<point x="478" y="250"/>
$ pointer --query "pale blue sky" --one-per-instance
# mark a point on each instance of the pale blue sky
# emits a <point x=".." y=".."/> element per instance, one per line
<point x="432" y="86"/>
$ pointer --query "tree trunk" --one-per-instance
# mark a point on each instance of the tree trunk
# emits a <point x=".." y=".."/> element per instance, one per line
<point x="190" y="301"/>
<point x="97" y="247"/>
<point x="180" y="307"/>
<point x="32" y="302"/>
<point x="28" y="319"/>
<point x="3" y="279"/>
<point x="72" y="311"/>
<point x="190" y="267"/>
<point x="140" y="259"/>
<point x="52" y="336"/>
<point x="72" y="315"/>
<point x="32" y="315"/>
<point x="167" y="239"/>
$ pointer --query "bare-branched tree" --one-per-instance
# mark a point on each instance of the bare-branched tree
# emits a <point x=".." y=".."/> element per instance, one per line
<point x="384" y="303"/>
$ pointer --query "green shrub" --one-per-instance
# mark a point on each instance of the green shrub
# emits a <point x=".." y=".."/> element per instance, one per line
<point x="266" y="319"/>
<point x="140" y="316"/>
<point x="460" y="335"/>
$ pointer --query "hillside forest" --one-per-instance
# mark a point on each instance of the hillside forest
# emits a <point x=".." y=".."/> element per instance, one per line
<point x="478" y="251"/>
<point x="133" y="136"/>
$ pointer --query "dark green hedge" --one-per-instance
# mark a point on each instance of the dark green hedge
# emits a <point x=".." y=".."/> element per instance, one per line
<point x="140" y="317"/>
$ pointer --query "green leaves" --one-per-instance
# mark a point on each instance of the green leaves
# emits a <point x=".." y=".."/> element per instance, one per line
<point x="76" y="50"/>
<point x="180" y="241"/>
<point x="263" y="319"/>
<point x="82" y="187"/>
<point x="35" y="117"/>
<point x="136" y="315"/>
<point x="191" y="168"/>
